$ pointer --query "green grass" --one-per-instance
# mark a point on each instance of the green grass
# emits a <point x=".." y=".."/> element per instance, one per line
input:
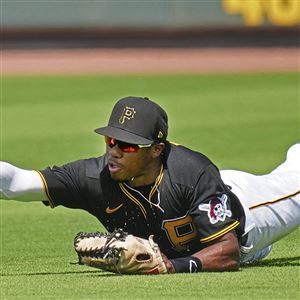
<point x="240" y="121"/>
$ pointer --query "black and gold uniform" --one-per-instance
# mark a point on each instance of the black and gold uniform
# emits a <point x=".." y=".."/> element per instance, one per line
<point x="186" y="207"/>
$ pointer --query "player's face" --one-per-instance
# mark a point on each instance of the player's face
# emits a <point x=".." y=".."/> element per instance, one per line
<point x="123" y="166"/>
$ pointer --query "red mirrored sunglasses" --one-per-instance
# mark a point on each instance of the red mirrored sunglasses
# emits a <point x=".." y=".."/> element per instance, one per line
<point x="123" y="146"/>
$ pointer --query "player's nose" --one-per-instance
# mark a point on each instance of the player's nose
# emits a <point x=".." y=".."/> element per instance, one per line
<point x="114" y="151"/>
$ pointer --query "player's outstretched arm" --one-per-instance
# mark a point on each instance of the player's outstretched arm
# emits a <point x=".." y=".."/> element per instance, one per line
<point x="20" y="184"/>
<point x="221" y="255"/>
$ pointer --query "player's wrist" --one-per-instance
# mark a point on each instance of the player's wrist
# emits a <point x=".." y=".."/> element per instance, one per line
<point x="189" y="264"/>
<point x="167" y="263"/>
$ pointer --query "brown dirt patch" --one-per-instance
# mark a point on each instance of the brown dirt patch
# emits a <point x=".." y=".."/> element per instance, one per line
<point x="148" y="61"/>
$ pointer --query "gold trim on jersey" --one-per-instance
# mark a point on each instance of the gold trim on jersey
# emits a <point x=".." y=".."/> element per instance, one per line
<point x="156" y="184"/>
<point x="45" y="185"/>
<point x="220" y="233"/>
<point x="274" y="201"/>
<point x="174" y="143"/>
<point x="134" y="200"/>
<point x="152" y="192"/>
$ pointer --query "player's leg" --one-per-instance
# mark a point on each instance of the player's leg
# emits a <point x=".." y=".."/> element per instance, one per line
<point x="272" y="222"/>
<point x="273" y="203"/>
<point x="292" y="161"/>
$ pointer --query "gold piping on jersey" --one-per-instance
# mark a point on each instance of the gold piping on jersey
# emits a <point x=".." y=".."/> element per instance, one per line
<point x="46" y="189"/>
<point x="132" y="198"/>
<point x="157" y="183"/>
<point x="174" y="143"/>
<point x="274" y="201"/>
<point x="153" y="190"/>
<point x="220" y="233"/>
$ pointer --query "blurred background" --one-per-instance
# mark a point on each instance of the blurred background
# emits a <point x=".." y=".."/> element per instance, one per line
<point x="173" y="25"/>
<point x="150" y="23"/>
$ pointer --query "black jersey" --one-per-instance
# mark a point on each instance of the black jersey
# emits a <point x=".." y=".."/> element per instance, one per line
<point x="190" y="207"/>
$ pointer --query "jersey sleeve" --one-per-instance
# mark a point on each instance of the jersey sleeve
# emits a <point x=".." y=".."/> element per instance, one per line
<point x="212" y="208"/>
<point x="63" y="185"/>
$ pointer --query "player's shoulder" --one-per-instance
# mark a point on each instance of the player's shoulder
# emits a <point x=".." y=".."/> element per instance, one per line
<point x="179" y="155"/>
<point x="94" y="166"/>
<point x="185" y="165"/>
<point x="88" y="167"/>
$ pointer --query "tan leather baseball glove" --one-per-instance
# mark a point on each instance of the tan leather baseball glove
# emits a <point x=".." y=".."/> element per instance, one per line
<point x="119" y="252"/>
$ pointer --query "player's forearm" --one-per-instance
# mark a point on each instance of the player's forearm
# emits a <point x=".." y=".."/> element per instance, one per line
<point x="222" y="255"/>
<point x="20" y="184"/>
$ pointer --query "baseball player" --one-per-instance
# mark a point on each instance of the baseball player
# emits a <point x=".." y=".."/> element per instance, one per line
<point x="201" y="219"/>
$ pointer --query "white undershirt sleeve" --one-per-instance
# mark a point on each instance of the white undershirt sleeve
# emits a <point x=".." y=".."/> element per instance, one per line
<point x="20" y="184"/>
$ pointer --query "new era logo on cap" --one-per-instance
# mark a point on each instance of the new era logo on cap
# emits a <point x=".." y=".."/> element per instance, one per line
<point x="136" y="120"/>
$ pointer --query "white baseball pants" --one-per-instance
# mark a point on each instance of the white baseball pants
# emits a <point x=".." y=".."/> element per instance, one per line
<point x="271" y="203"/>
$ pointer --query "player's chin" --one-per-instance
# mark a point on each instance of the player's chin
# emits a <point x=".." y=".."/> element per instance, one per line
<point x="119" y="177"/>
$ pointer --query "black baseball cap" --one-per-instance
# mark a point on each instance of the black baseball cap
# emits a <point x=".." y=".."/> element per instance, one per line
<point x="136" y="120"/>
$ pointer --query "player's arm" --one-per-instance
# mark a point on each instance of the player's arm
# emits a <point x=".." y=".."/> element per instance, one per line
<point x="220" y="255"/>
<point x="20" y="184"/>
<point x="216" y="216"/>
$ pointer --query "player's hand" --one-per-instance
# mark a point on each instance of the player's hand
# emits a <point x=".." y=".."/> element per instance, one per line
<point x="168" y="264"/>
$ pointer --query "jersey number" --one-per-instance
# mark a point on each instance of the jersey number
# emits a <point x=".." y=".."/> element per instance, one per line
<point x="180" y="231"/>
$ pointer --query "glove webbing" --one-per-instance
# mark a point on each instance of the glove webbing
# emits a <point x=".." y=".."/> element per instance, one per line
<point x="103" y="252"/>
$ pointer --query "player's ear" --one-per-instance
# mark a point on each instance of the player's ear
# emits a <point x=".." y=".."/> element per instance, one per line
<point x="157" y="149"/>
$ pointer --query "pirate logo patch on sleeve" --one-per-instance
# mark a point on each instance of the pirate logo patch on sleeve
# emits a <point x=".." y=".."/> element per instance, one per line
<point x="216" y="209"/>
